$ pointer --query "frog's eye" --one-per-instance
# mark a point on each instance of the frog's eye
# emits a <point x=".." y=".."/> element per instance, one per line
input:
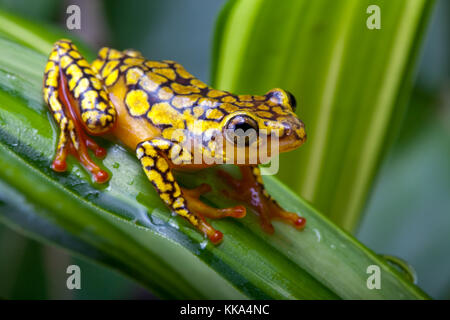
<point x="292" y="101"/>
<point x="241" y="130"/>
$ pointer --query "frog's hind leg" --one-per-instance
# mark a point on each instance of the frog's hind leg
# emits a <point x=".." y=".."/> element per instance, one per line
<point x="79" y="104"/>
<point x="196" y="205"/>
<point x="250" y="189"/>
<point x="154" y="156"/>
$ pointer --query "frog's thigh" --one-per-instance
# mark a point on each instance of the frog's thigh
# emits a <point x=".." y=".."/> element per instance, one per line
<point x="154" y="155"/>
<point x="72" y="90"/>
<point x="87" y="92"/>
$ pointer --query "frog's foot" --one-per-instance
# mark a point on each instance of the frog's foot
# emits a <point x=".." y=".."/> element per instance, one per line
<point x="196" y="205"/>
<point x="250" y="190"/>
<point x="73" y="140"/>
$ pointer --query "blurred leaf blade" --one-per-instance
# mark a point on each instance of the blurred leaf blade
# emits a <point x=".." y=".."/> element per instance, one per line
<point x="351" y="84"/>
<point x="39" y="37"/>
<point x="134" y="230"/>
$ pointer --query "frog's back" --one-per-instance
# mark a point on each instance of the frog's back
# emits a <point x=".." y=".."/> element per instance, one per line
<point x="161" y="92"/>
<point x="165" y="94"/>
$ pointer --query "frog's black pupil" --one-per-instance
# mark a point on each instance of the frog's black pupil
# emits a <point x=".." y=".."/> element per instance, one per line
<point x="292" y="100"/>
<point x="243" y="126"/>
<point x="246" y="131"/>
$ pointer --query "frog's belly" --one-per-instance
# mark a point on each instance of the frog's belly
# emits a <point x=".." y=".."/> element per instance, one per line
<point x="128" y="130"/>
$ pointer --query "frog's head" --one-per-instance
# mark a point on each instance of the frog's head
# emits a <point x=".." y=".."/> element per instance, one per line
<point x="269" y="117"/>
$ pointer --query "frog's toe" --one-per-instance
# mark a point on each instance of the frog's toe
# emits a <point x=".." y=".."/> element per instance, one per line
<point x="268" y="210"/>
<point x="195" y="204"/>
<point x="215" y="236"/>
<point x="235" y="212"/>
<point x="92" y="145"/>
<point x="81" y="154"/>
<point x="288" y="217"/>
<point x="250" y="190"/>
<point x="59" y="163"/>
<point x="66" y="146"/>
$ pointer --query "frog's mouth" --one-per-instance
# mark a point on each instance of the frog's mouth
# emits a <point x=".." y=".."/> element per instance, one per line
<point x="292" y="136"/>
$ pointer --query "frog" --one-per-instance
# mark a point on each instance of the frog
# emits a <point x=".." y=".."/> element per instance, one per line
<point x="161" y="112"/>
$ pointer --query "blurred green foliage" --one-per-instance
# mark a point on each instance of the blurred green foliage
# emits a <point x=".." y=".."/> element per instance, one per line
<point x="351" y="83"/>
<point x="169" y="29"/>
<point x="408" y="212"/>
<point x="42" y="10"/>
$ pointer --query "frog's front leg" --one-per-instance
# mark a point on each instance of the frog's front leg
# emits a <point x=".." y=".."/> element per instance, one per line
<point x="250" y="189"/>
<point x="154" y="156"/>
<point x="79" y="104"/>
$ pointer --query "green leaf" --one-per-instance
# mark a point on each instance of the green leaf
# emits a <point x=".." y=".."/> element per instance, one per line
<point x="126" y="226"/>
<point x="36" y="36"/>
<point x="351" y="84"/>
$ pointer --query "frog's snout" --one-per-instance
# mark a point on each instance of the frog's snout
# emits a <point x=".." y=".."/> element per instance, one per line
<point x="294" y="134"/>
<point x="300" y="132"/>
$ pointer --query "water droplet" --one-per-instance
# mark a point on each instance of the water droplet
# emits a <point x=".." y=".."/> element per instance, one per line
<point x="318" y="235"/>
<point x="134" y="220"/>
<point x="174" y="223"/>
<point x="203" y="244"/>
<point x="403" y="266"/>
<point x="141" y="216"/>
<point x="152" y="218"/>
